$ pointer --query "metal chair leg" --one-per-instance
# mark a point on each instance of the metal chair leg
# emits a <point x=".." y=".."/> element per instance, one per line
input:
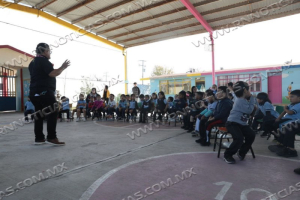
<point x="253" y="155"/>
<point x="220" y="145"/>
<point x="216" y="138"/>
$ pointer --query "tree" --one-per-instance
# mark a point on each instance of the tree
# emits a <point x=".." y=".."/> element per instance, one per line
<point x="159" y="70"/>
<point x="87" y="85"/>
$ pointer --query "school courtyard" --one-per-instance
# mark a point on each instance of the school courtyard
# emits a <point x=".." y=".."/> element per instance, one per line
<point x="101" y="162"/>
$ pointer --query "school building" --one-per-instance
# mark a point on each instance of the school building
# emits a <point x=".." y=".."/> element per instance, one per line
<point x="278" y="81"/>
<point x="14" y="78"/>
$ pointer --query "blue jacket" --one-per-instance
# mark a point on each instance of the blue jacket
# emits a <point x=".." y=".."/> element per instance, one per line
<point x="223" y="109"/>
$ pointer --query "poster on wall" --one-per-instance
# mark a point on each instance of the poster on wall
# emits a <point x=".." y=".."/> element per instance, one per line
<point x="290" y="82"/>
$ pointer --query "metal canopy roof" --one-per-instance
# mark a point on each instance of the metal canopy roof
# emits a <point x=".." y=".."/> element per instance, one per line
<point x="131" y="23"/>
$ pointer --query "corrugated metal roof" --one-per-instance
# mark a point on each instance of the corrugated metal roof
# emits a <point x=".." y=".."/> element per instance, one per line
<point x="140" y="22"/>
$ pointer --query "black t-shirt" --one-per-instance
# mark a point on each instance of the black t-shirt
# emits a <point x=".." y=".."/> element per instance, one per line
<point x="39" y="69"/>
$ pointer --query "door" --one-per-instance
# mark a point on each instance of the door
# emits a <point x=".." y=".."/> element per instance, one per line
<point x="7" y="89"/>
<point x="275" y="87"/>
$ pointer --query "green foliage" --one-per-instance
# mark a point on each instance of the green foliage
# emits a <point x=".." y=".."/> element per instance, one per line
<point x="160" y="70"/>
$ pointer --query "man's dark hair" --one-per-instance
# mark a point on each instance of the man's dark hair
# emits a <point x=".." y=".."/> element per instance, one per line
<point x="123" y="95"/>
<point x="41" y="48"/>
<point x="147" y="96"/>
<point x="141" y="96"/>
<point x="171" y="98"/>
<point x="133" y="95"/>
<point x="230" y="84"/>
<point x="223" y="88"/>
<point x="112" y="95"/>
<point x="134" y="83"/>
<point x="127" y="95"/>
<point x="98" y="95"/>
<point x="62" y="97"/>
<point x="296" y="92"/>
<point x="106" y="86"/>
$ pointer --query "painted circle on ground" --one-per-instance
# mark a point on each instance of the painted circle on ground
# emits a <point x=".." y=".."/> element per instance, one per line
<point x="199" y="176"/>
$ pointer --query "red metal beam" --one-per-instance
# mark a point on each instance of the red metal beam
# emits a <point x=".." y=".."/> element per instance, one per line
<point x="197" y="15"/>
<point x="209" y="29"/>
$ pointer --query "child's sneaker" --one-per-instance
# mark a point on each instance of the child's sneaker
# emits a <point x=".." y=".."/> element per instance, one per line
<point x="275" y="148"/>
<point x="297" y="171"/>
<point x="77" y="120"/>
<point x="195" y="134"/>
<point x="287" y="152"/>
<point x="229" y="159"/>
<point x="241" y="157"/>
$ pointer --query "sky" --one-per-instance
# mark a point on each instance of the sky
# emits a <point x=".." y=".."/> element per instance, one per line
<point x="260" y="44"/>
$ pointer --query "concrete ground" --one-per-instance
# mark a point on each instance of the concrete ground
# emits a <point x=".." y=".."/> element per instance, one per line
<point x="103" y="162"/>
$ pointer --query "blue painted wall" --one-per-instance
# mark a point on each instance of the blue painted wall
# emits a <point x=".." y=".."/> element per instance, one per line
<point x="289" y="74"/>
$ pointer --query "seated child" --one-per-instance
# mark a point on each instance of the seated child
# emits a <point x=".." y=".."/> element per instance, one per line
<point x="237" y="123"/>
<point x="97" y="107"/>
<point x="194" y="112"/>
<point x="180" y="103"/>
<point x="219" y="116"/>
<point x="65" y="108"/>
<point x="209" y="108"/>
<point x="142" y="99"/>
<point x="122" y="108"/>
<point x="145" y="109"/>
<point x="291" y="116"/>
<point x="153" y="102"/>
<point x="161" y="106"/>
<point x="170" y="105"/>
<point x="29" y="109"/>
<point x="268" y="113"/>
<point x="90" y="105"/>
<point x="188" y="98"/>
<point x="133" y="106"/>
<point x="81" y="105"/>
<point x="111" y="106"/>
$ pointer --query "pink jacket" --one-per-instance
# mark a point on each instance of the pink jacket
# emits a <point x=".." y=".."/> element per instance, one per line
<point x="98" y="104"/>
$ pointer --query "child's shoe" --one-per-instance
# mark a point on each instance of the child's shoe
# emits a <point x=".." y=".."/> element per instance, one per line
<point x="83" y="119"/>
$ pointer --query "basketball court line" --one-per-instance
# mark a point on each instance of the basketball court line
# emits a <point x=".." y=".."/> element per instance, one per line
<point x="90" y="191"/>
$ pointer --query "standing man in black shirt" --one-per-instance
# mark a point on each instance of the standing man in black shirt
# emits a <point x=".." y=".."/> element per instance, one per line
<point x="42" y="93"/>
<point x="136" y="91"/>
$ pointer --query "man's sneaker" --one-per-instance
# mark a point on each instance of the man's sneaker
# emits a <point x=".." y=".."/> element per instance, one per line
<point x="241" y="157"/>
<point x="275" y="148"/>
<point x="83" y="119"/>
<point x="286" y="152"/>
<point x="55" y="142"/>
<point x="77" y="120"/>
<point x="297" y="171"/>
<point x="39" y="142"/>
<point x="229" y="159"/>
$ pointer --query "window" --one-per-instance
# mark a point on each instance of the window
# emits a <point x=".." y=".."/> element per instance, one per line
<point x="163" y="86"/>
<point x="175" y="86"/>
<point x="254" y="80"/>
